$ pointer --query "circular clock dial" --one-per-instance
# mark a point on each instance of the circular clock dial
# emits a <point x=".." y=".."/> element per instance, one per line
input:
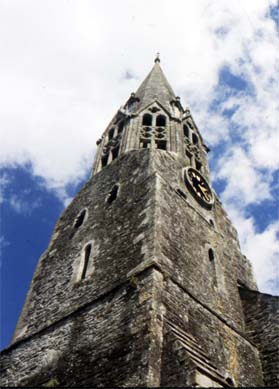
<point x="198" y="186"/>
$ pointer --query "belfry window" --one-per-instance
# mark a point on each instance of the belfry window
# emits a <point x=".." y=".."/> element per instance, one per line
<point x="111" y="133"/>
<point x="161" y="121"/>
<point x="105" y="160"/>
<point x="195" y="139"/>
<point x="147" y="119"/>
<point x="86" y="257"/>
<point x="186" y="131"/>
<point x="120" y="127"/>
<point x="115" y="152"/>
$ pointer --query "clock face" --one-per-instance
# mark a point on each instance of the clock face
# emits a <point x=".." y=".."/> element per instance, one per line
<point x="199" y="187"/>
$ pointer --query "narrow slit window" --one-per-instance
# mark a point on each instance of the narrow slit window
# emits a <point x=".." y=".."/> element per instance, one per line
<point x="147" y="119"/>
<point x="86" y="257"/>
<point x="213" y="272"/>
<point x="80" y="219"/>
<point x="195" y="139"/>
<point x="113" y="194"/>
<point x="211" y="255"/>
<point x="160" y="121"/>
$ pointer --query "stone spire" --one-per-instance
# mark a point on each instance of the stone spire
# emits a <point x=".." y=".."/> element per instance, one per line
<point x="155" y="86"/>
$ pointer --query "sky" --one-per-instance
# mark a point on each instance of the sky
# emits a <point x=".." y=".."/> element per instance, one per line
<point x="66" y="67"/>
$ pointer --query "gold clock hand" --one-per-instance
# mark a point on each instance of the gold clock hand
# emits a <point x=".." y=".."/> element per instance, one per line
<point x="205" y="192"/>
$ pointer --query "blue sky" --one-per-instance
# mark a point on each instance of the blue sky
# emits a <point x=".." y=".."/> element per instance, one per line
<point x="67" y="66"/>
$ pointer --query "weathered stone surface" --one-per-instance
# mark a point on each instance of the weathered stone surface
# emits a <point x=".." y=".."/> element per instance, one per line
<point x="261" y="313"/>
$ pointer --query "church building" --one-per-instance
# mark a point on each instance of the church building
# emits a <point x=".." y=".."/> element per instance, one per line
<point x="143" y="282"/>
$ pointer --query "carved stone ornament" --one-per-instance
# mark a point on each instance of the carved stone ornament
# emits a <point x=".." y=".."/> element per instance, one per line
<point x="154" y="109"/>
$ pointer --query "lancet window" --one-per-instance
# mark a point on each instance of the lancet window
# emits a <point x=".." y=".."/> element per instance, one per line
<point x="86" y="258"/>
<point x="211" y="257"/>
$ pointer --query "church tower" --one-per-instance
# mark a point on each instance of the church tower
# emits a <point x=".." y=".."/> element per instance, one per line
<point x="143" y="282"/>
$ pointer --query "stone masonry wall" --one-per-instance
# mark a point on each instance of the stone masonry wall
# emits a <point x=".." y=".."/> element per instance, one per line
<point x="121" y="237"/>
<point x="184" y="235"/>
<point x="113" y="341"/>
<point x="262" y="325"/>
<point x="233" y="354"/>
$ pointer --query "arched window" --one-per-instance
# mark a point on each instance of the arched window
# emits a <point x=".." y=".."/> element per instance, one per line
<point x="111" y="133"/>
<point x="186" y="131"/>
<point x="147" y="119"/>
<point x="195" y="139"/>
<point x="86" y="257"/>
<point x="160" y="121"/>
<point x="113" y="194"/>
<point x="80" y="219"/>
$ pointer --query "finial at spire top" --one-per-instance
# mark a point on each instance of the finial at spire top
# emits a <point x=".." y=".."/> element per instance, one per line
<point x="157" y="59"/>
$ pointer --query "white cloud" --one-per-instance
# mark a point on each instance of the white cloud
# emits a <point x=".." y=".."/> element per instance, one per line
<point x="244" y="183"/>
<point x="20" y="205"/>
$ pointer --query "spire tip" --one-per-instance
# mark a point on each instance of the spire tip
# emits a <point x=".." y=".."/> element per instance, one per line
<point x="157" y="58"/>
